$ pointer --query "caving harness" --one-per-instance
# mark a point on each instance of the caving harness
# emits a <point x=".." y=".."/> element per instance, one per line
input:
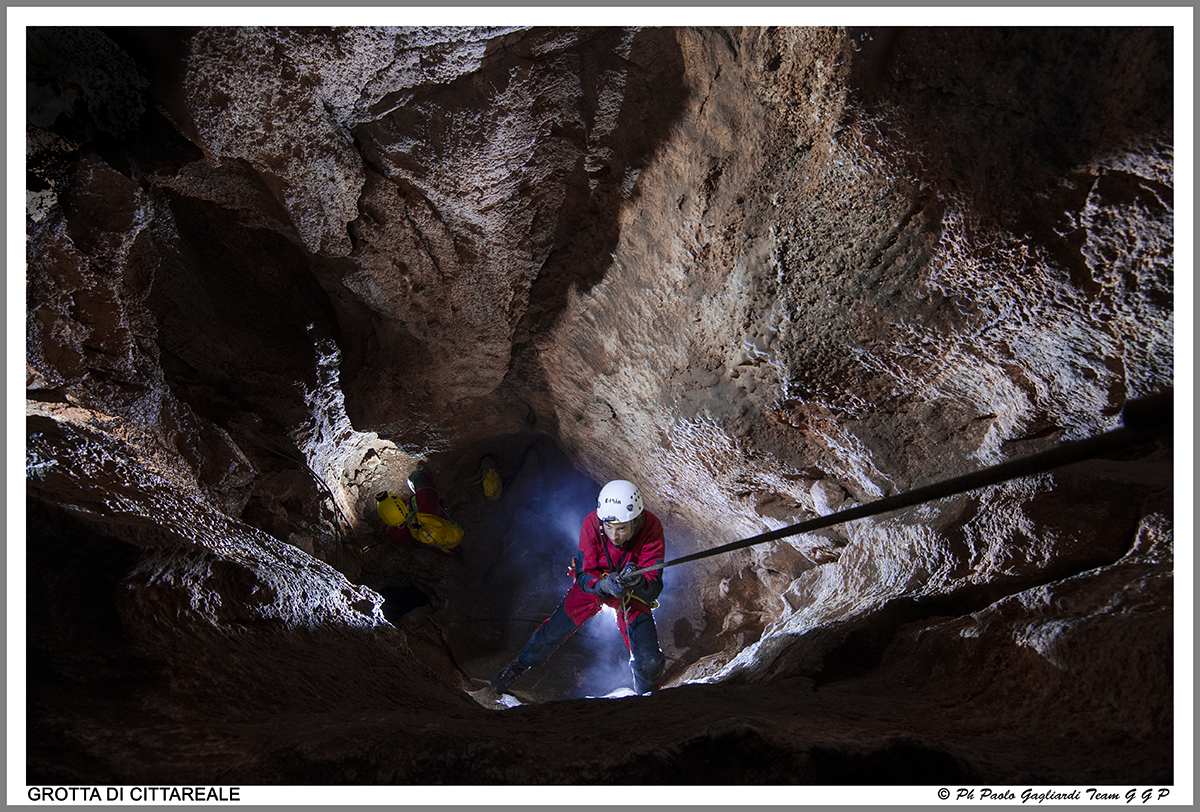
<point x="627" y="596"/>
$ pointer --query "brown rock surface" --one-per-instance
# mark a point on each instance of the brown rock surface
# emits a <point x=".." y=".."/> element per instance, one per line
<point x="766" y="273"/>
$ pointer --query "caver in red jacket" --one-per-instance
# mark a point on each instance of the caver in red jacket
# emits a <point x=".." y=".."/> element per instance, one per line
<point x="596" y="569"/>
<point x="598" y="556"/>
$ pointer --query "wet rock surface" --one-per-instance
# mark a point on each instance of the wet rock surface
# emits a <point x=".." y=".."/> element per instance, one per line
<point x="766" y="273"/>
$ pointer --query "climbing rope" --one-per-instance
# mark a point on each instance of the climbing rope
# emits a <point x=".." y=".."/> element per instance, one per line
<point x="1144" y="420"/>
<point x="625" y="618"/>
<point x="299" y="459"/>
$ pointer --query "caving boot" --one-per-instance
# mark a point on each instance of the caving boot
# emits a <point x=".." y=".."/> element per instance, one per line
<point x="507" y="675"/>
<point x="421" y="477"/>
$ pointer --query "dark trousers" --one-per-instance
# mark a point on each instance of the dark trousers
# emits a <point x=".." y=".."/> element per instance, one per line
<point x="641" y="637"/>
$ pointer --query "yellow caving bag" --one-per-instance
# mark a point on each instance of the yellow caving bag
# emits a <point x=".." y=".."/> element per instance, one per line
<point x="492" y="484"/>
<point x="435" y="531"/>
<point x="489" y="475"/>
<point x="426" y="528"/>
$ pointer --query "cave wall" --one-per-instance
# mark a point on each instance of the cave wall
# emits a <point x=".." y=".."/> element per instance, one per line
<point x="765" y="272"/>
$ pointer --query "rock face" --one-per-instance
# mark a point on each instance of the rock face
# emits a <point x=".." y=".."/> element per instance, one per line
<point x="766" y="273"/>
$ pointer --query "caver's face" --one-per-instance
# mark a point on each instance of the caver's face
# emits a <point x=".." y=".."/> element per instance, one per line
<point x="618" y="532"/>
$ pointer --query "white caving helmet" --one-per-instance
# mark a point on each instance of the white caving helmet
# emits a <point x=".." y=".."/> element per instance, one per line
<point x="619" y="501"/>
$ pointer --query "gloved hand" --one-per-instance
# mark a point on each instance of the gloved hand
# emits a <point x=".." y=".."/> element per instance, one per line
<point x="631" y="581"/>
<point x="611" y="585"/>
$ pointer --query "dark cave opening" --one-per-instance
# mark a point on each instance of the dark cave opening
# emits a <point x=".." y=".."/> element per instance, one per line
<point x="398" y="600"/>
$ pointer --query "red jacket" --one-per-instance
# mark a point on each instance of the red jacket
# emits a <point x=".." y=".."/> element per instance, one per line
<point x="598" y="556"/>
